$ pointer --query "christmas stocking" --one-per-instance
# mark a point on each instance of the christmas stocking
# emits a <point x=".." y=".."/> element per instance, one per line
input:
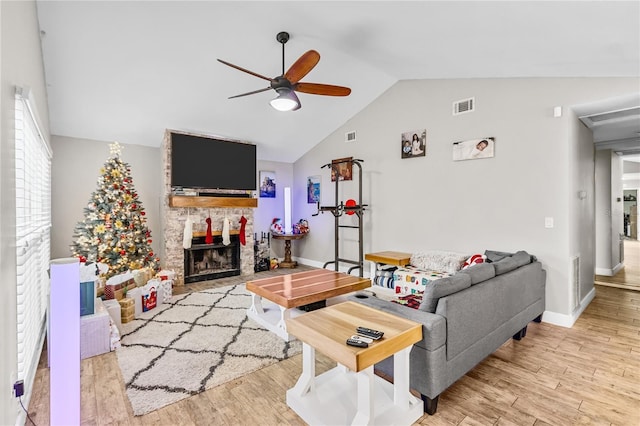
<point x="208" y="239"/>
<point x="243" y="237"/>
<point x="226" y="240"/>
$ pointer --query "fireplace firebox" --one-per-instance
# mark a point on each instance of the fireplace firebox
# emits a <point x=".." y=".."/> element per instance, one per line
<point x="211" y="261"/>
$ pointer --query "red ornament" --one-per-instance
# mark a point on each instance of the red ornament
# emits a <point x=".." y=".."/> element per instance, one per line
<point x="133" y="206"/>
<point x="150" y="254"/>
<point x="122" y="252"/>
<point x="142" y="213"/>
<point x="149" y="241"/>
<point x="83" y="259"/>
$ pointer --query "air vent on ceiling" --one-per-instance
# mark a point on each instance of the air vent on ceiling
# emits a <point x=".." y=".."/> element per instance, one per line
<point x="618" y="115"/>
<point x="350" y="136"/>
<point x="464" y="106"/>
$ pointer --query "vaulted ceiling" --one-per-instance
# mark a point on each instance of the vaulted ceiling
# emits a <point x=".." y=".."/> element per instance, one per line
<point x="125" y="70"/>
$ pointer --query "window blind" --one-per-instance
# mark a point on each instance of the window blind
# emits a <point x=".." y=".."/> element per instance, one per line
<point x="33" y="223"/>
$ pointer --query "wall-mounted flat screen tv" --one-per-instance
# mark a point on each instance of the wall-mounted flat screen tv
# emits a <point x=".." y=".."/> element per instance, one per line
<point x="211" y="163"/>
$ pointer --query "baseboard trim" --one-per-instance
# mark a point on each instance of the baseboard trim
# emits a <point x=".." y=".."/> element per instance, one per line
<point x="567" y="321"/>
<point x="610" y="272"/>
<point x="342" y="268"/>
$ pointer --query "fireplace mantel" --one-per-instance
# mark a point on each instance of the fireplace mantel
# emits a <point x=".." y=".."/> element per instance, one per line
<point x="208" y="202"/>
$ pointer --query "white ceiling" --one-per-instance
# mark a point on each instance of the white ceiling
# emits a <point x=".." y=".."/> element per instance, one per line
<point x="126" y="71"/>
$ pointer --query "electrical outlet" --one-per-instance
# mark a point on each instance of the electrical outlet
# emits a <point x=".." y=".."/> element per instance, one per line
<point x="548" y="222"/>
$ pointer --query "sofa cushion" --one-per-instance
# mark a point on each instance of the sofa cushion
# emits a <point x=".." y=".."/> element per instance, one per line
<point x="480" y="272"/>
<point x="496" y="256"/>
<point x="436" y="260"/>
<point x="443" y="287"/>
<point x="505" y="265"/>
<point x="522" y="258"/>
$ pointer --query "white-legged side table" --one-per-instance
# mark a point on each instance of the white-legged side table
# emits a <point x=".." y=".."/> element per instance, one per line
<point x="351" y="393"/>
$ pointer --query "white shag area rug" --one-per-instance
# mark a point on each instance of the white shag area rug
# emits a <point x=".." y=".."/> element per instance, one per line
<point x="193" y="343"/>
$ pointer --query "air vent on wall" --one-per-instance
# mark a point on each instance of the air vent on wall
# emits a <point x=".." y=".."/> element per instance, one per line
<point x="464" y="106"/>
<point x="575" y="281"/>
<point x="350" y="136"/>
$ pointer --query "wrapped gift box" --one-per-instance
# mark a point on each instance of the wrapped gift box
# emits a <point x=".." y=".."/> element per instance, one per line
<point x="113" y="307"/>
<point x="136" y="296"/>
<point x="115" y="286"/>
<point x="87" y="298"/>
<point x="95" y="332"/>
<point x="149" y="297"/>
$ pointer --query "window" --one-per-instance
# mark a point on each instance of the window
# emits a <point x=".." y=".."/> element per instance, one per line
<point x="33" y="223"/>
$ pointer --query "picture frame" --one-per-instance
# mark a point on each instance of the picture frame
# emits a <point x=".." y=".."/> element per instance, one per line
<point x="313" y="189"/>
<point x="474" y="149"/>
<point x="413" y="144"/>
<point x="267" y="184"/>
<point x="342" y="168"/>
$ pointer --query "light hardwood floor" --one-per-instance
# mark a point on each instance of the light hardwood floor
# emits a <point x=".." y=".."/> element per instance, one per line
<point x="588" y="374"/>
<point x="629" y="276"/>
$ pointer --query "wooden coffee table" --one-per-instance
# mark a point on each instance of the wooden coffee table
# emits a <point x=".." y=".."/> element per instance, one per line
<point x="294" y="290"/>
<point x="350" y="393"/>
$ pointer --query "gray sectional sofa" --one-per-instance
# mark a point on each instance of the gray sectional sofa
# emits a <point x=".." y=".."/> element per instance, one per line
<point x="466" y="317"/>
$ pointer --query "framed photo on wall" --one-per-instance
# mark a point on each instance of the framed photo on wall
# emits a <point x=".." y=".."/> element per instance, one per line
<point x="473" y="149"/>
<point x="413" y="144"/>
<point x="267" y="184"/>
<point x="341" y="168"/>
<point x="313" y="189"/>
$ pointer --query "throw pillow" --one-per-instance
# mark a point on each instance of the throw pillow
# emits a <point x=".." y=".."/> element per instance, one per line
<point x="443" y="287"/>
<point x="522" y="258"/>
<point x="474" y="260"/>
<point x="436" y="260"/>
<point x="496" y="256"/>
<point x="480" y="272"/>
<point x="505" y="265"/>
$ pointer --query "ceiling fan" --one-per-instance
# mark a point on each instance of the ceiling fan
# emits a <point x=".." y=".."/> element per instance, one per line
<point x="289" y="82"/>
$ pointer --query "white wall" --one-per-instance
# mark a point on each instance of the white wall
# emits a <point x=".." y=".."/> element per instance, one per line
<point x="631" y="168"/>
<point x="468" y="206"/>
<point x="609" y="210"/>
<point x="20" y="64"/>
<point x="582" y="207"/>
<point x="269" y="208"/>
<point x="603" y="211"/>
<point x="75" y="171"/>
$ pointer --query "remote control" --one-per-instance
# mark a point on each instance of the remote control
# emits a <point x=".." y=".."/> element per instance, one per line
<point x="374" y="334"/>
<point x="358" y="343"/>
<point x="362" y="338"/>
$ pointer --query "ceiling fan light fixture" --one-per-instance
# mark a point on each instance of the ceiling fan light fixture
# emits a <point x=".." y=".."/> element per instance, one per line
<point x="286" y="100"/>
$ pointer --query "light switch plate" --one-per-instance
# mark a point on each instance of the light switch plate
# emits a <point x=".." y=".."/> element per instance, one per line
<point x="548" y="222"/>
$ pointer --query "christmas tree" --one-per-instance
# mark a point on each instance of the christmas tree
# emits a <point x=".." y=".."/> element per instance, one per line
<point x="114" y="230"/>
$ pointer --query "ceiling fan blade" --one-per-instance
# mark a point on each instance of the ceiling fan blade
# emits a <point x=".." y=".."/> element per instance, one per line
<point x="322" y="89"/>
<point x="250" y="93"/>
<point x="244" y="70"/>
<point x="302" y="66"/>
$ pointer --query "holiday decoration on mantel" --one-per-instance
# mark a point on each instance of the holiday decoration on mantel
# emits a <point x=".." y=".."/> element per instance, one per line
<point x="114" y="230"/>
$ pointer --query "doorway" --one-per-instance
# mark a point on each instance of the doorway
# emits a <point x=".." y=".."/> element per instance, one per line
<point x="630" y="198"/>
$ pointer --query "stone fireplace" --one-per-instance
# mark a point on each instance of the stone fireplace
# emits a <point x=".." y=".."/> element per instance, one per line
<point x="204" y="261"/>
<point x="175" y="211"/>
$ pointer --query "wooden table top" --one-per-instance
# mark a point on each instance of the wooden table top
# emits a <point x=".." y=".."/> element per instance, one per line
<point x="328" y="329"/>
<point x="302" y="288"/>
<point x="397" y="258"/>
<point x="288" y="236"/>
